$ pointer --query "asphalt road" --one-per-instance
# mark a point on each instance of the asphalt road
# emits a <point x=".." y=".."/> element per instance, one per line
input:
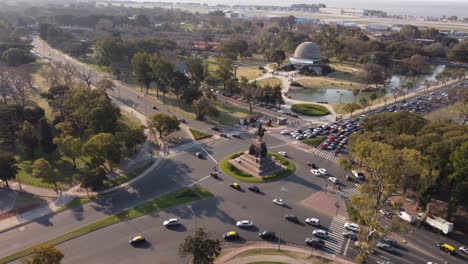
<point x="218" y="215"/>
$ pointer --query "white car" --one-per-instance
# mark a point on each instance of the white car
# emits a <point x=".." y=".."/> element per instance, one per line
<point x="313" y="221"/>
<point x="278" y="201"/>
<point x="315" y="172"/>
<point x="464" y="249"/>
<point x="323" y="171"/>
<point x="320" y="233"/>
<point x="359" y="175"/>
<point x="244" y="223"/>
<point x="171" y="222"/>
<point x="284" y="132"/>
<point x="351" y="226"/>
<point x="282" y="153"/>
<point x="333" y="179"/>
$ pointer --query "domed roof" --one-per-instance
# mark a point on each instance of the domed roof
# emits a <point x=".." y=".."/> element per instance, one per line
<point x="307" y="50"/>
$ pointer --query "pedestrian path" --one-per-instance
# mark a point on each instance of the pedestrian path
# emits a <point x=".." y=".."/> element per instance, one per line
<point x="335" y="240"/>
<point x="348" y="192"/>
<point x="187" y="147"/>
<point x="326" y="155"/>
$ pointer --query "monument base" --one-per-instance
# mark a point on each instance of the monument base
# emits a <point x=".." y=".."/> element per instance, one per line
<point x="256" y="166"/>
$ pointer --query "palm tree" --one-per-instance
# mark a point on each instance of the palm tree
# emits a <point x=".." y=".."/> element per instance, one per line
<point x="363" y="102"/>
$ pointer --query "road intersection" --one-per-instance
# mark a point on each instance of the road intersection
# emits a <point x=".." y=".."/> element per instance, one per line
<point x="218" y="215"/>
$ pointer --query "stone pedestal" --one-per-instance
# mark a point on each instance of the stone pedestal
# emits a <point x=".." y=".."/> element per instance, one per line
<point x="255" y="161"/>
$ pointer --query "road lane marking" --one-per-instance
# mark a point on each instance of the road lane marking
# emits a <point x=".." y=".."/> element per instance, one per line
<point x="346" y="248"/>
<point x="278" y="146"/>
<point x="211" y="157"/>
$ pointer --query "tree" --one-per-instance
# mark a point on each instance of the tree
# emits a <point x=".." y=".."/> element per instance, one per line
<point x="44" y="170"/>
<point x="203" y="107"/>
<point x="142" y="70"/>
<point x="10" y="125"/>
<point x="278" y="56"/>
<point x="28" y="138"/>
<point x="363" y="102"/>
<point x="161" y="70"/>
<point x="351" y="107"/>
<point x="16" y="57"/>
<point x="46" y="137"/>
<point x="410" y="32"/>
<point x="427" y="84"/>
<point x="86" y="76"/>
<point x="69" y="146"/>
<point x="249" y="91"/>
<point x="459" y="52"/>
<point x="459" y="177"/>
<point x="8" y="167"/>
<point x="201" y="247"/>
<point x="374" y="74"/>
<point x="131" y="137"/>
<point x="103" y="148"/>
<point x="385" y="167"/>
<point x="163" y="125"/>
<point x="105" y="85"/>
<point x="196" y="70"/>
<point x="179" y="83"/>
<point x="398" y="123"/>
<point x="94" y="180"/>
<point x="44" y="255"/>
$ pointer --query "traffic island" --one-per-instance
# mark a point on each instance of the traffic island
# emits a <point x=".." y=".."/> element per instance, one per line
<point x="287" y="168"/>
<point x="310" y="109"/>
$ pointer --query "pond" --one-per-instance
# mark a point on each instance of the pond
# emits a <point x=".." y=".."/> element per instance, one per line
<point x="337" y="95"/>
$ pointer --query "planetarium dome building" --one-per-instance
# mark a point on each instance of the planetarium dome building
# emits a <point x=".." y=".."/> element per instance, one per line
<point x="307" y="58"/>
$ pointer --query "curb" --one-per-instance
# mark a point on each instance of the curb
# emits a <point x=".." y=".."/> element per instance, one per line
<point x="159" y="196"/>
<point x="115" y="188"/>
<point x="290" y="247"/>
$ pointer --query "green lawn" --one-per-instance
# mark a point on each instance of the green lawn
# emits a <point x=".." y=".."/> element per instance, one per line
<point x="310" y="109"/>
<point x="232" y="171"/>
<point x="321" y="83"/>
<point x="314" y="142"/>
<point x="271" y="81"/>
<point x="197" y="134"/>
<point x="249" y="72"/>
<point x="182" y="196"/>
<point x="230" y="114"/>
<point x="126" y="177"/>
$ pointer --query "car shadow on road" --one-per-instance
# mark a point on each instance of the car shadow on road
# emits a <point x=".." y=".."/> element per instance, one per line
<point x="145" y="244"/>
<point x="251" y="229"/>
<point x="177" y="228"/>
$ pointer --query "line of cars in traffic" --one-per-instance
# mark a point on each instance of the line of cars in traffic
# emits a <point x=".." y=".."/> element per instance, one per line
<point x="335" y="134"/>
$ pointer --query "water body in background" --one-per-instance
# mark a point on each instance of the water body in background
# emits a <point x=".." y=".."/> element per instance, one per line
<point x="432" y="8"/>
<point x="332" y="95"/>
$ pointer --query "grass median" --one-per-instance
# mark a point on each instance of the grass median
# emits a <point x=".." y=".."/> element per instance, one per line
<point x="231" y="170"/>
<point x="197" y="134"/>
<point x="182" y="196"/>
<point x="310" y="109"/>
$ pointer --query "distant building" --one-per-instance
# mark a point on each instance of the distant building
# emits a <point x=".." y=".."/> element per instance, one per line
<point x="307" y="58"/>
<point x="377" y="27"/>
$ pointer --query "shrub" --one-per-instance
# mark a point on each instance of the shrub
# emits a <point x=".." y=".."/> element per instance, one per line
<point x="310" y="109"/>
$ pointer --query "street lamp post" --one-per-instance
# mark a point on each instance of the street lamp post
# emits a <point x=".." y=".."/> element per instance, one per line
<point x="281" y="217"/>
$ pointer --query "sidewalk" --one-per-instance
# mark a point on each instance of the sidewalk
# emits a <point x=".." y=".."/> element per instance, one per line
<point x="228" y="257"/>
<point x="63" y="199"/>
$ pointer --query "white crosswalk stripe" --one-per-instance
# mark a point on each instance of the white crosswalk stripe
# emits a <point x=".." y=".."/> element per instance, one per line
<point x="335" y="240"/>
<point x="326" y="155"/>
<point x="187" y="147"/>
<point x="348" y="192"/>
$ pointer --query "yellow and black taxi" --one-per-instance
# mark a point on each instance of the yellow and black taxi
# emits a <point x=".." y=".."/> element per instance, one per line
<point x="136" y="240"/>
<point x="446" y="247"/>
<point x="231" y="235"/>
<point x="235" y="185"/>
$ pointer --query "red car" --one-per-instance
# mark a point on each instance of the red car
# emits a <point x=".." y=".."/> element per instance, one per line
<point x="234" y="97"/>
<point x="323" y="146"/>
